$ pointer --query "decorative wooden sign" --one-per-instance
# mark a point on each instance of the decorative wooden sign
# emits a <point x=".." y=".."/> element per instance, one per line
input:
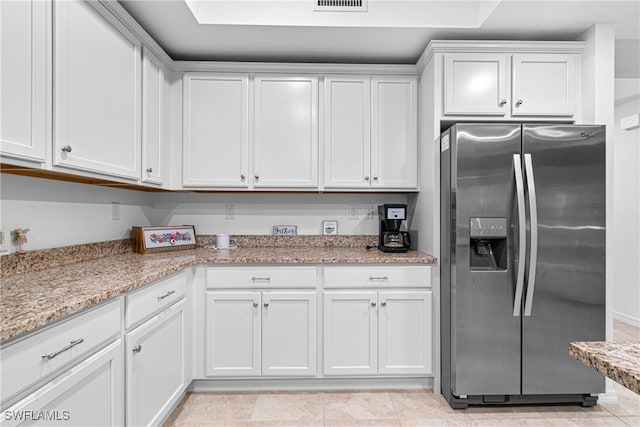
<point x="162" y="239"/>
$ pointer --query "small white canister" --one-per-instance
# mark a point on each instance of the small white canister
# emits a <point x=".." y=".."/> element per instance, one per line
<point x="223" y="242"/>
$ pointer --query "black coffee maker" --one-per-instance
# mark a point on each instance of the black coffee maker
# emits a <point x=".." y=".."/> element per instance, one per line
<point x="391" y="239"/>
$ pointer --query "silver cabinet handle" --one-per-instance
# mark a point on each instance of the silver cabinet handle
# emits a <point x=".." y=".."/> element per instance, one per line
<point x="378" y="278"/>
<point x="373" y="304"/>
<point x="66" y="148"/>
<point x="266" y="304"/>
<point x="267" y="279"/>
<point x="161" y="297"/>
<point x="375" y="178"/>
<point x="257" y="177"/>
<point x="242" y="176"/>
<point x="62" y="350"/>
<point x="255" y="304"/>
<point x="502" y="102"/>
<point x="522" y="234"/>
<point x="366" y="178"/>
<point x="149" y="170"/>
<point x="383" y="303"/>
<point x="518" y="102"/>
<point x="533" y="245"/>
<point x="137" y="349"/>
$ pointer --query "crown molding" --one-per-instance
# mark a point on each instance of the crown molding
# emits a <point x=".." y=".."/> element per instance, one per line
<point x="494" y="46"/>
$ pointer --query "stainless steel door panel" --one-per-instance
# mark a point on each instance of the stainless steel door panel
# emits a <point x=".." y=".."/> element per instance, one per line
<point x="568" y="302"/>
<point x="485" y="336"/>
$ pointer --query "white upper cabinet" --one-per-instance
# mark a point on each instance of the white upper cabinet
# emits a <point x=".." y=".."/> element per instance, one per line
<point x="476" y="83"/>
<point x="347" y="129"/>
<point x="544" y="85"/>
<point x="510" y="84"/>
<point x="394" y="133"/>
<point x="370" y="132"/>
<point x="24" y="76"/>
<point x="152" y="120"/>
<point x="285" y="132"/>
<point x="96" y="91"/>
<point x="215" y="126"/>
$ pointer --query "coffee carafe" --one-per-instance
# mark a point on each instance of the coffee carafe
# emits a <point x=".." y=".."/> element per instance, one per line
<point x="391" y="239"/>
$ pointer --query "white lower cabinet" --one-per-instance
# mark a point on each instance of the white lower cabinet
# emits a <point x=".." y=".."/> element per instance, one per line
<point x="372" y="332"/>
<point x="156" y="366"/>
<point x="350" y="337"/>
<point x="253" y="333"/>
<point x="88" y="394"/>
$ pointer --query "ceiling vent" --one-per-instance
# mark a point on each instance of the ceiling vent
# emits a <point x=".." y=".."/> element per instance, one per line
<point x="339" y="5"/>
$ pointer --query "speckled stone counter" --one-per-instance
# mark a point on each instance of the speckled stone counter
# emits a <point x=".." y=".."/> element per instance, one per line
<point x="34" y="299"/>
<point x="618" y="360"/>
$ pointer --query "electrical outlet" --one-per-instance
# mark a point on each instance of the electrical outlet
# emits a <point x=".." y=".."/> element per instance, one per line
<point x="368" y="212"/>
<point x="353" y="212"/>
<point x="115" y="211"/>
<point x="229" y="211"/>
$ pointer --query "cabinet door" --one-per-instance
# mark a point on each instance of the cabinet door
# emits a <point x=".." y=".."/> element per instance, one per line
<point x="405" y="332"/>
<point x="24" y="74"/>
<point x="215" y="139"/>
<point x="286" y="132"/>
<point x="232" y="334"/>
<point x="91" y="393"/>
<point x="152" y="122"/>
<point x="156" y="366"/>
<point x="543" y="85"/>
<point x="394" y="152"/>
<point x="476" y="84"/>
<point x="350" y="333"/>
<point x="96" y="91"/>
<point x="347" y="132"/>
<point x="289" y="333"/>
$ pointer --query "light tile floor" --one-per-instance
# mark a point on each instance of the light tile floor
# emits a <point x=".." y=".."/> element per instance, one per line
<point x="393" y="408"/>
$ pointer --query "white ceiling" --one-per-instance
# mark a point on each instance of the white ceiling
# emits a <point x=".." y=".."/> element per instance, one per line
<point x="283" y="31"/>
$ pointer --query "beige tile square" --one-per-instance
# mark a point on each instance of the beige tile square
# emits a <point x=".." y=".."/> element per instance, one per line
<point x="631" y="421"/>
<point x="422" y="405"/>
<point x="350" y="406"/>
<point x="303" y="423"/>
<point x="391" y="422"/>
<point x="216" y="409"/>
<point x="296" y="407"/>
<point x="435" y="422"/>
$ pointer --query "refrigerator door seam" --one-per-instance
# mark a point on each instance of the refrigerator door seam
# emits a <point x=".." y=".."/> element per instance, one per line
<point x="517" y="302"/>
<point x="533" y="218"/>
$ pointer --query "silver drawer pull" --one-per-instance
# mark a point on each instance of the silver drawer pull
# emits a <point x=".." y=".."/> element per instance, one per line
<point x="62" y="350"/>
<point x="137" y="349"/>
<point x="161" y="297"/>
<point x="378" y="278"/>
<point x="383" y="303"/>
<point x="254" y="278"/>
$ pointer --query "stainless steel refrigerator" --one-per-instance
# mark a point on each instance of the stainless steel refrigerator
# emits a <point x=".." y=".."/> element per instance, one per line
<point x="523" y="262"/>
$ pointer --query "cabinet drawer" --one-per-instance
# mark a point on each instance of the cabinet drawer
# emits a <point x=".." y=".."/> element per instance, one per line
<point x="24" y="362"/>
<point x="410" y="276"/>
<point x="153" y="298"/>
<point x="261" y="277"/>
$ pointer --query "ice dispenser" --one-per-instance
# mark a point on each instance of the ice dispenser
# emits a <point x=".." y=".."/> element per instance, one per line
<point x="488" y="244"/>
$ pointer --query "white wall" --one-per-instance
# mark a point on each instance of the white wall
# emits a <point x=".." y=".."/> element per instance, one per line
<point x="626" y="206"/>
<point x="62" y="213"/>
<point x="258" y="213"/>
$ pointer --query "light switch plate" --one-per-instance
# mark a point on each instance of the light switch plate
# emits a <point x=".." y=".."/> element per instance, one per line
<point x="630" y="122"/>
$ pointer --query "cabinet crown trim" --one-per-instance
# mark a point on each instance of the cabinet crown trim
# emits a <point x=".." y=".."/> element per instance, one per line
<point x="497" y="46"/>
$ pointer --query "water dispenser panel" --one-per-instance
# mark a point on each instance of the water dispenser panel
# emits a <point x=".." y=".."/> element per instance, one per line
<point x="487" y="228"/>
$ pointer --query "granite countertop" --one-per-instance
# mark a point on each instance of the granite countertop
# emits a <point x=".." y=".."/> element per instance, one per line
<point x="34" y="299"/>
<point x="618" y="360"/>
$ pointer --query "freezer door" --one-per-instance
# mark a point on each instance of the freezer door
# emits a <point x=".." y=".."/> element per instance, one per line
<point x="566" y="302"/>
<point x="485" y="334"/>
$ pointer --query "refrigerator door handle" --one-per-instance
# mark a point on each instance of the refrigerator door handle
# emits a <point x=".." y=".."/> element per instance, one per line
<point x="533" y="217"/>
<point x="522" y="234"/>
